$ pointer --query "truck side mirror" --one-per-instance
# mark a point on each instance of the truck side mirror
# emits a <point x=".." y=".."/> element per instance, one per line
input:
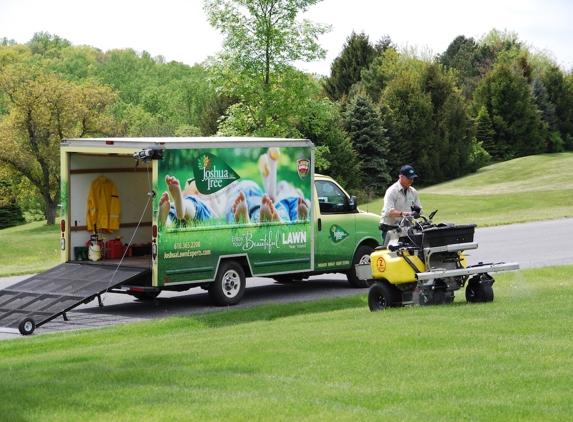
<point x="352" y="203"/>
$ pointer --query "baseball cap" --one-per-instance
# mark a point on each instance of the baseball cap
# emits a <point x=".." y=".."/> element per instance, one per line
<point x="408" y="171"/>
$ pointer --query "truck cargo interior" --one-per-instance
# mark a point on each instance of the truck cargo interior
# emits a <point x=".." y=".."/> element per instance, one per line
<point x="134" y="185"/>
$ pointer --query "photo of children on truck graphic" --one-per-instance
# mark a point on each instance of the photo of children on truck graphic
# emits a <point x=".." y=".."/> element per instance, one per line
<point x="274" y="188"/>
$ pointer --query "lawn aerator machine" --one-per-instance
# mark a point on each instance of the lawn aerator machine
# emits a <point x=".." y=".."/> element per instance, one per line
<point x="422" y="263"/>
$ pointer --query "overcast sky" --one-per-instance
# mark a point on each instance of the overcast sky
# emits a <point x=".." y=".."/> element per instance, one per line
<point x="178" y="29"/>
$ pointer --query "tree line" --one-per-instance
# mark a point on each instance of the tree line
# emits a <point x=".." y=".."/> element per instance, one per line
<point x="380" y="107"/>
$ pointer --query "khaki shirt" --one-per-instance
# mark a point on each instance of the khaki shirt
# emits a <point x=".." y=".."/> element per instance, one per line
<point x="398" y="199"/>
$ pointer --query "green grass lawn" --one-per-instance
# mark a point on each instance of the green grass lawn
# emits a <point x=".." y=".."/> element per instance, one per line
<point x="318" y="361"/>
<point x="324" y="360"/>
<point x="29" y="249"/>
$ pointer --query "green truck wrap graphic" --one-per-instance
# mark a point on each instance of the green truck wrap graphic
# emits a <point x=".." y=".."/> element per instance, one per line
<point x="232" y="202"/>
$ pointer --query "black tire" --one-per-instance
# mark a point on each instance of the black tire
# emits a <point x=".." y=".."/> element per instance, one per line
<point x="449" y="298"/>
<point x="27" y="326"/>
<point x="383" y="295"/>
<point x="439" y="297"/>
<point x="362" y="256"/>
<point x="479" y="292"/>
<point x="229" y="285"/>
<point x="146" y="295"/>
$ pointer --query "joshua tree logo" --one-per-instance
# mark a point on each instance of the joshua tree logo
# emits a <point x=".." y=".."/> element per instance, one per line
<point x="212" y="174"/>
<point x="337" y="234"/>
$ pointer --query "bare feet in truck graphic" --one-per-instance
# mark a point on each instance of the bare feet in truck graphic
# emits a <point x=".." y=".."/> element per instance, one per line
<point x="186" y="205"/>
<point x="246" y="201"/>
<point x="279" y="202"/>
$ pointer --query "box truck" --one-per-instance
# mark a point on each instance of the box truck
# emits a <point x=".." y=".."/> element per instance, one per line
<point x="143" y="215"/>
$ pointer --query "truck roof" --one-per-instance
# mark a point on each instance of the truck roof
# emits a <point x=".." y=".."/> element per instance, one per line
<point x="185" y="142"/>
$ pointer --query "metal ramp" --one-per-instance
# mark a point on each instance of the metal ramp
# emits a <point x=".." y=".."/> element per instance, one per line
<point x="43" y="297"/>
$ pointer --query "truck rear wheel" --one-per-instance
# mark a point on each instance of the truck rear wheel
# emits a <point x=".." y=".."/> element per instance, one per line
<point x="383" y="295"/>
<point x="362" y="256"/>
<point x="229" y="286"/>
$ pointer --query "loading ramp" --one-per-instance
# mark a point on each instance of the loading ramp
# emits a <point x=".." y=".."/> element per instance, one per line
<point x="45" y="296"/>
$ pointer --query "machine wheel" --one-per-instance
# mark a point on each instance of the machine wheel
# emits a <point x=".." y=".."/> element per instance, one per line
<point x="439" y="297"/>
<point x="362" y="256"/>
<point x="146" y="295"/>
<point x="27" y="326"/>
<point x="449" y="299"/>
<point x="229" y="286"/>
<point x="383" y="295"/>
<point x="479" y="292"/>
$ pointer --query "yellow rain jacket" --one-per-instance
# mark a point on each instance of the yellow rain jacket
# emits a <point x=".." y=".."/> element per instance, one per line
<point x="103" y="206"/>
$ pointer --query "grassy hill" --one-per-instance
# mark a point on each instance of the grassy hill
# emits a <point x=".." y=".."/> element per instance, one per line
<point x="532" y="188"/>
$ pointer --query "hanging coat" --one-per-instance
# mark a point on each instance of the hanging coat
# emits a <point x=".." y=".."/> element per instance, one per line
<point x="103" y="206"/>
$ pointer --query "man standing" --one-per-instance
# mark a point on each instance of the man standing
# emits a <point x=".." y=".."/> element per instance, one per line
<point x="401" y="200"/>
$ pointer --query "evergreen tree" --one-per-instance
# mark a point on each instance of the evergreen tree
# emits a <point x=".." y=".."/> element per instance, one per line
<point x="560" y="93"/>
<point x="462" y="55"/>
<point x="407" y="114"/>
<point x="428" y="125"/>
<point x="485" y="132"/>
<point x="10" y="216"/>
<point x="364" y="126"/>
<point x="547" y="112"/>
<point x="346" y="69"/>
<point x="518" y="130"/>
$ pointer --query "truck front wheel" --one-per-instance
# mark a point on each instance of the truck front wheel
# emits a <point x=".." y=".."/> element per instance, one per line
<point x="229" y="286"/>
<point x="383" y="295"/>
<point x="362" y="256"/>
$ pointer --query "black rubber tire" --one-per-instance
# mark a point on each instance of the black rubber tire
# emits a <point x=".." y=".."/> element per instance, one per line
<point x="229" y="285"/>
<point x="146" y="295"/>
<point x="362" y="256"/>
<point x="27" y="326"/>
<point x="449" y="298"/>
<point x="383" y="295"/>
<point x="477" y="292"/>
<point x="439" y="297"/>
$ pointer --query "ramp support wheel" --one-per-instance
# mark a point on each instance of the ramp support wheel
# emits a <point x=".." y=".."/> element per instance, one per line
<point x="27" y="326"/>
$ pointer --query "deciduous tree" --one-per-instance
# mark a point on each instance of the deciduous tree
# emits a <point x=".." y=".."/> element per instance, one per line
<point x="262" y="40"/>
<point x="43" y="110"/>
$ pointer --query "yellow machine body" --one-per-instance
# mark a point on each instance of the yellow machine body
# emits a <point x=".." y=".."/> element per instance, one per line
<point x="394" y="268"/>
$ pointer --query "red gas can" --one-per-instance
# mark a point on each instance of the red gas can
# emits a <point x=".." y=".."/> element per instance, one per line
<point x="114" y="248"/>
